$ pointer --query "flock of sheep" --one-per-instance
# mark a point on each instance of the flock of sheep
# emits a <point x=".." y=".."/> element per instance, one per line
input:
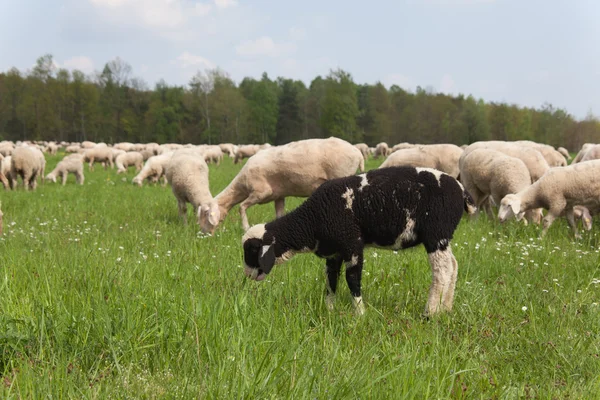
<point x="417" y="196"/>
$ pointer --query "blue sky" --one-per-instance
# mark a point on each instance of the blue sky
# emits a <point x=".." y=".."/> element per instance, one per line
<point x="519" y="51"/>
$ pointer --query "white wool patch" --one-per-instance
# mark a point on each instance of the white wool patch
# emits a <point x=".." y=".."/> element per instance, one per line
<point x="254" y="232"/>
<point x="349" y="197"/>
<point x="435" y="172"/>
<point x="408" y="234"/>
<point x="364" y="182"/>
<point x="354" y="261"/>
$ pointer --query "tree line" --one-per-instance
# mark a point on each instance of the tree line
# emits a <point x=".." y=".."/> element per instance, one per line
<point x="49" y="103"/>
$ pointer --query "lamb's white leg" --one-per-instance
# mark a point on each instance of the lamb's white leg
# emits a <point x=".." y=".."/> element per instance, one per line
<point x="442" y="269"/>
<point x="448" y="299"/>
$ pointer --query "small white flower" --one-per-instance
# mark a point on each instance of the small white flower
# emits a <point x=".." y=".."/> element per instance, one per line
<point x="579" y="291"/>
<point x="545" y="291"/>
<point x="118" y="259"/>
<point x="524" y="308"/>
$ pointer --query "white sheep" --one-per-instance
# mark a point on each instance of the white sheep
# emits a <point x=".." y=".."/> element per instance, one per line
<point x="584" y="148"/>
<point x="187" y="173"/>
<point x="550" y="154"/>
<point x="489" y="173"/>
<point x="70" y="164"/>
<point x="154" y="169"/>
<point x="28" y="163"/>
<point x="245" y="151"/>
<point x="213" y="154"/>
<point x="100" y="154"/>
<point x="592" y="153"/>
<point x="564" y="152"/>
<point x="131" y="158"/>
<point x="294" y="169"/>
<point x="382" y="149"/>
<point x="229" y="149"/>
<point x="558" y="191"/>
<point x="533" y="159"/>
<point x="364" y="149"/>
<point x="443" y="157"/>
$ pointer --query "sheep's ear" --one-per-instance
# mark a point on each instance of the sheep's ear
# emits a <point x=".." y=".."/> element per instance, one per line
<point x="214" y="214"/>
<point x="266" y="260"/>
<point x="515" y="206"/>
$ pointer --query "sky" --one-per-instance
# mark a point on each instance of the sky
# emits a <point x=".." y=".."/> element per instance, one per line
<point x="526" y="52"/>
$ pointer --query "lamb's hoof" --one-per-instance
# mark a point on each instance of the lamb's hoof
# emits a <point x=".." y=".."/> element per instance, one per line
<point x="329" y="302"/>
<point x="359" y="305"/>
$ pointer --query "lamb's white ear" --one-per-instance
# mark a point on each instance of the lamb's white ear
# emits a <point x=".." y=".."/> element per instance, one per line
<point x="515" y="206"/>
<point x="214" y="214"/>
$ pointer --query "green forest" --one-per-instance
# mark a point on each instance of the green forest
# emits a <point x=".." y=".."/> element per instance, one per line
<point x="49" y="103"/>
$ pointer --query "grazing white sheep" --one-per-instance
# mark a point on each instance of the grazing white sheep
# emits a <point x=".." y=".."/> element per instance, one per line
<point x="70" y="164"/>
<point x="584" y="148"/>
<point x="404" y="145"/>
<point x="294" y="169"/>
<point x="553" y="157"/>
<point x="213" y="154"/>
<point x="382" y="149"/>
<point x="564" y="152"/>
<point x="229" y="149"/>
<point x="100" y="154"/>
<point x="126" y="160"/>
<point x="443" y="157"/>
<point x="28" y="163"/>
<point x="245" y="151"/>
<point x="187" y="173"/>
<point x="393" y="208"/>
<point x="489" y="173"/>
<point x="154" y="169"/>
<point x="536" y="163"/>
<point x="592" y="153"/>
<point x="364" y="149"/>
<point x="558" y="191"/>
<point x="4" y="171"/>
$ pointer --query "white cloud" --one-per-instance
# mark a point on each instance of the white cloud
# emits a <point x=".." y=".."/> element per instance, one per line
<point x="187" y="59"/>
<point x="82" y="63"/>
<point x="447" y="84"/>
<point x="226" y="3"/>
<point x="405" y="82"/>
<point x="202" y="9"/>
<point x="152" y="13"/>
<point x="297" y="33"/>
<point x="263" y="46"/>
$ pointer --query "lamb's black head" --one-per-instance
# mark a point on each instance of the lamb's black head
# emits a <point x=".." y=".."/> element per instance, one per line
<point x="259" y="257"/>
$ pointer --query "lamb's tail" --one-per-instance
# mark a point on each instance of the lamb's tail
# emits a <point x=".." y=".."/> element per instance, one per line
<point x="469" y="204"/>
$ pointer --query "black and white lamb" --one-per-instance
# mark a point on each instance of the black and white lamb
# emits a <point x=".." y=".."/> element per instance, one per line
<point x="393" y="208"/>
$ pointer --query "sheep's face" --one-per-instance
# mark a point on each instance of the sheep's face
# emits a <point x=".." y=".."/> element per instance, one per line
<point x="51" y="178"/>
<point x="258" y="257"/>
<point x="209" y="216"/>
<point x="510" y="206"/>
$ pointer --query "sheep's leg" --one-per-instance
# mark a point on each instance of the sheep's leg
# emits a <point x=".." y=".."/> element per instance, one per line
<point x="79" y="177"/>
<point x="333" y="267"/>
<point x="254" y="198"/>
<point x="353" y="277"/>
<point x="26" y="176"/>
<point x="448" y="298"/>
<point x="64" y="178"/>
<point x="279" y="207"/>
<point x="548" y="220"/>
<point x="571" y="220"/>
<point x="182" y="206"/>
<point x="441" y="292"/>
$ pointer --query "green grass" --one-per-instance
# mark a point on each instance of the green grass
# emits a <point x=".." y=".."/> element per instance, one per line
<point x="105" y="294"/>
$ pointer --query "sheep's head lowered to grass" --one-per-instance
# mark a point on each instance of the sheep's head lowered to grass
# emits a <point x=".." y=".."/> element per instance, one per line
<point x="259" y="258"/>
<point x="509" y="206"/>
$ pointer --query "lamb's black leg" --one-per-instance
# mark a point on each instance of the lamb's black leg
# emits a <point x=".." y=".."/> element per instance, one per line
<point x="333" y="267"/>
<point x="353" y="277"/>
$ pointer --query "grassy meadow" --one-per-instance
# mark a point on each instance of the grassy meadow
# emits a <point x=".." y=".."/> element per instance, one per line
<point x="106" y="294"/>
